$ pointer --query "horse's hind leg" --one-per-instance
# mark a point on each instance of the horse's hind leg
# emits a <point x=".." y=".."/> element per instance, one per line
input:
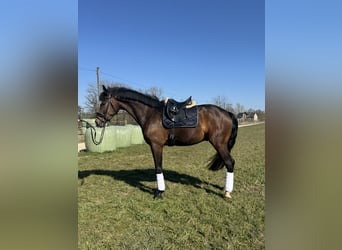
<point x="229" y="163"/>
<point x="229" y="176"/>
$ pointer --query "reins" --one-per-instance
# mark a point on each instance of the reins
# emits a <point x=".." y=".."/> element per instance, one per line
<point x="93" y="132"/>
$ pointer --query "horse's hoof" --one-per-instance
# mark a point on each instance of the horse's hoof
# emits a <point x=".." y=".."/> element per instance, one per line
<point x="227" y="195"/>
<point x="158" y="195"/>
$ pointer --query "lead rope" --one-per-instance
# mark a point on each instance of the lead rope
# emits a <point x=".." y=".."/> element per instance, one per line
<point x="93" y="130"/>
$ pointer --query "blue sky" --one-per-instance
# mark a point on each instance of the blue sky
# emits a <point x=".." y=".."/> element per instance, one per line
<point x="200" y="48"/>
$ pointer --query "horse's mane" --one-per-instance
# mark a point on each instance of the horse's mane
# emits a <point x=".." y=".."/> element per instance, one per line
<point x="122" y="93"/>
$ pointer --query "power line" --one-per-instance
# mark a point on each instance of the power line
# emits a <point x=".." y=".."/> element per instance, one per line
<point x="124" y="80"/>
<point x="169" y="94"/>
<point x="129" y="81"/>
<point x="140" y="85"/>
<point x="86" y="69"/>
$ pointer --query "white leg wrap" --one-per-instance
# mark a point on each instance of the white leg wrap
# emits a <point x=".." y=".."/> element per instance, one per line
<point x="229" y="181"/>
<point x="160" y="182"/>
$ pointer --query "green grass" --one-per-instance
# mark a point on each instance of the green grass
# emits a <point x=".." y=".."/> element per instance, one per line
<point x="117" y="211"/>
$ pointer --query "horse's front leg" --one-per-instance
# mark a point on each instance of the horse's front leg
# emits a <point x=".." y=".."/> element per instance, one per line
<point x="157" y="152"/>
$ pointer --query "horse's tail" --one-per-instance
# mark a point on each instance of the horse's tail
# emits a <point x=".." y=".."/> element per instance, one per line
<point x="233" y="136"/>
<point x="216" y="162"/>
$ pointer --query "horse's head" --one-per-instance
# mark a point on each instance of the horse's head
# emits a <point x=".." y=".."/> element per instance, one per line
<point x="108" y="108"/>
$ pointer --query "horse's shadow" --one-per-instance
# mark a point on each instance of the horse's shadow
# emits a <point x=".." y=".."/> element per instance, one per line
<point x="136" y="177"/>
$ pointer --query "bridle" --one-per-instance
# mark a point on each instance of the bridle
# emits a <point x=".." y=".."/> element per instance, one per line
<point x="102" y="118"/>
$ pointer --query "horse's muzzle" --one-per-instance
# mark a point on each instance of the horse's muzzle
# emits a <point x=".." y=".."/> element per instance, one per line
<point x="99" y="123"/>
<point x="100" y="120"/>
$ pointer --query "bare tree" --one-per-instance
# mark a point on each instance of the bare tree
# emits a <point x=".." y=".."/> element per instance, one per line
<point x="239" y="108"/>
<point x="222" y="102"/>
<point x="91" y="103"/>
<point x="80" y="111"/>
<point x="250" y="110"/>
<point x="155" y="91"/>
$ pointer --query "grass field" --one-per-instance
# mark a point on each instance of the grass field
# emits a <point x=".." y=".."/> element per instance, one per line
<point x="116" y="209"/>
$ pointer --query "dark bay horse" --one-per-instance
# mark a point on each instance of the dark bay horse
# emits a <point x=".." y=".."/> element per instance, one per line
<point x="215" y="125"/>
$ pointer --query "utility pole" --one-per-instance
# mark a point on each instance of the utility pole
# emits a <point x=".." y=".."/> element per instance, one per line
<point x="98" y="83"/>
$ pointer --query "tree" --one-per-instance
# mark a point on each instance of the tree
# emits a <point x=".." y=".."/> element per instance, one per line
<point x="155" y="91"/>
<point x="250" y="110"/>
<point x="222" y="102"/>
<point x="239" y="108"/>
<point x="91" y="103"/>
<point x="80" y="111"/>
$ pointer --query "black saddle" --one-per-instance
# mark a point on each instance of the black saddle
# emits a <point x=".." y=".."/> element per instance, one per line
<point x="178" y="115"/>
<point x="176" y="110"/>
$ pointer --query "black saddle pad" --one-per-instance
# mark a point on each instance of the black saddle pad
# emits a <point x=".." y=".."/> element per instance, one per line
<point x="187" y="118"/>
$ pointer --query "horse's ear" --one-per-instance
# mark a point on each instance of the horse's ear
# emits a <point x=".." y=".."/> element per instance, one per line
<point x="104" y="88"/>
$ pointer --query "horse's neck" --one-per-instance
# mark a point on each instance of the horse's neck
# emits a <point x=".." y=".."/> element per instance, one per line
<point x="137" y="110"/>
